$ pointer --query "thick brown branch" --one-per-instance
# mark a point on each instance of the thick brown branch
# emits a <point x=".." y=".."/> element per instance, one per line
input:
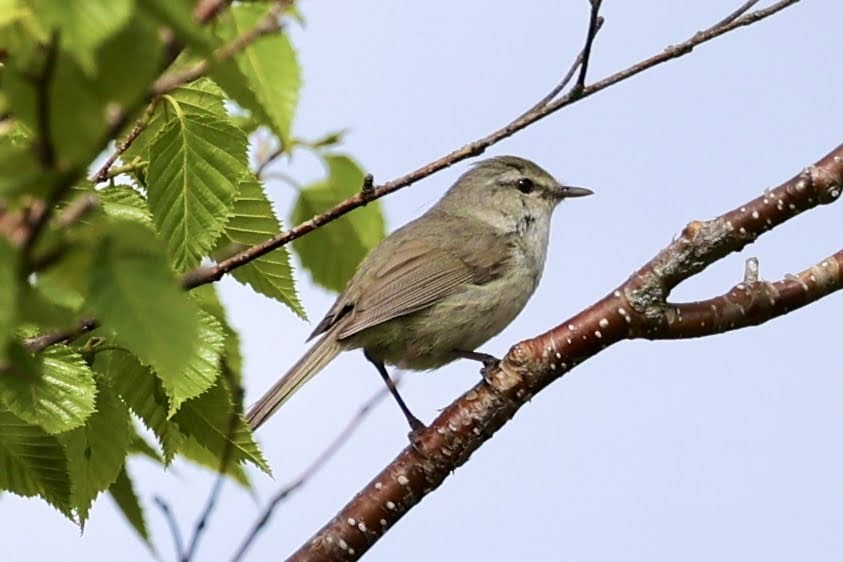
<point x="638" y="308"/>
<point x="214" y="273"/>
<point x="753" y="303"/>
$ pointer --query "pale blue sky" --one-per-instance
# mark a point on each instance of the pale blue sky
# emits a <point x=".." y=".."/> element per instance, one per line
<point x="726" y="448"/>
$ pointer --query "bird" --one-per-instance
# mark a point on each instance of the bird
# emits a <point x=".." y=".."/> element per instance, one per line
<point x="441" y="286"/>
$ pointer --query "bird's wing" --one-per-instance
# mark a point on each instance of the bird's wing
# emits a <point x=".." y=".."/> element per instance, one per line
<point x="418" y="273"/>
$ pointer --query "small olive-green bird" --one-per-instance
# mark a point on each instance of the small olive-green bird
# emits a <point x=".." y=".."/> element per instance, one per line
<point x="441" y="286"/>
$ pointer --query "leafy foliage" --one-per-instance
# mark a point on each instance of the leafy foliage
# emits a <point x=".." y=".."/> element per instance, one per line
<point x="252" y="222"/>
<point x="98" y="338"/>
<point x="333" y="252"/>
<point x="193" y="181"/>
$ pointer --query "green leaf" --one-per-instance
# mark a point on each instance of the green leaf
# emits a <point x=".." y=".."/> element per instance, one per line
<point x="9" y="287"/>
<point x="333" y="252"/>
<point x="54" y="389"/>
<point x="252" y="222"/>
<point x="273" y="75"/>
<point x="139" y="446"/>
<point x="123" y="202"/>
<point x="217" y="426"/>
<point x="208" y="299"/>
<point x="123" y="494"/>
<point x="32" y="462"/>
<point x="81" y="97"/>
<point x="178" y="15"/>
<point x="135" y="294"/>
<point x="202" y="95"/>
<point x="96" y="451"/>
<point x="142" y="391"/>
<point x="195" y="163"/>
<point x="203" y="366"/>
<point x="83" y="26"/>
<point x="196" y="453"/>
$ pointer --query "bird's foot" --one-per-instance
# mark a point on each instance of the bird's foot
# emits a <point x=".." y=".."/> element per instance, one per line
<point x="415" y="433"/>
<point x="490" y="363"/>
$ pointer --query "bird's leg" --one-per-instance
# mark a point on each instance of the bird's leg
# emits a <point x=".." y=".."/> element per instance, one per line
<point x="490" y="362"/>
<point x="416" y="426"/>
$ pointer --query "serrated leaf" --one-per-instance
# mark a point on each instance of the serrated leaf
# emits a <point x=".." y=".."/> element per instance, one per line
<point x="135" y="294"/>
<point x="195" y="163"/>
<point x="213" y="421"/>
<point x="252" y="222"/>
<point x="201" y="95"/>
<point x="333" y="252"/>
<point x="273" y="75"/>
<point x="208" y="299"/>
<point x="9" y="288"/>
<point x="32" y="462"/>
<point x="142" y="391"/>
<point x="139" y="446"/>
<point x="196" y="453"/>
<point x="123" y="202"/>
<point x="203" y="366"/>
<point x="83" y="26"/>
<point x="123" y="494"/>
<point x="96" y="451"/>
<point x="54" y="389"/>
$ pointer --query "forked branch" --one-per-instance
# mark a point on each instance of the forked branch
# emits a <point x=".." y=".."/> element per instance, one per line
<point x="636" y="309"/>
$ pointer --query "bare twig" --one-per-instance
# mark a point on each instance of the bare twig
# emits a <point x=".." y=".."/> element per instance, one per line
<point x="103" y="173"/>
<point x="638" y="308"/>
<point x="39" y="343"/>
<point x="44" y="144"/>
<point x="747" y="6"/>
<point x="270" y="158"/>
<point x="43" y="83"/>
<point x="171" y="523"/>
<point x="214" y="273"/>
<point x="557" y="89"/>
<point x="594" y="23"/>
<point x="312" y="469"/>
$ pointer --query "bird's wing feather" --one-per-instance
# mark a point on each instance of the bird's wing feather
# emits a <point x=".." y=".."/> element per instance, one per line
<point x="415" y="279"/>
<point x="418" y="273"/>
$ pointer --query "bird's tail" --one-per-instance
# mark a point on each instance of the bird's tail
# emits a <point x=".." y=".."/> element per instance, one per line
<point x="307" y="367"/>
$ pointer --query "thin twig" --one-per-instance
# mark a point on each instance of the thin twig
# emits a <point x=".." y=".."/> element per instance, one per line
<point x="39" y="343"/>
<point x="171" y="523"/>
<point x="213" y="273"/>
<point x="44" y="144"/>
<point x="594" y="24"/>
<point x="43" y="83"/>
<point x="270" y="158"/>
<point x="736" y="14"/>
<point x="557" y="89"/>
<point x="312" y="469"/>
<point x="103" y="174"/>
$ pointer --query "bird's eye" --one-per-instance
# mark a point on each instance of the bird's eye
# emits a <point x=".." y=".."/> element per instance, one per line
<point x="526" y="185"/>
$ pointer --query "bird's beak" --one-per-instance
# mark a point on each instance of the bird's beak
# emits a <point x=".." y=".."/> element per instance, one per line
<point x="571" y="191"/>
